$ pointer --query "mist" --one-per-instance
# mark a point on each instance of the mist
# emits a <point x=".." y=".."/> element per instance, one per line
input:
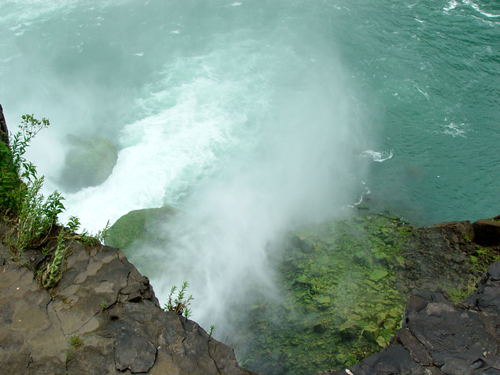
<point x="303" y="169"/>
<point x="243" y="116"/>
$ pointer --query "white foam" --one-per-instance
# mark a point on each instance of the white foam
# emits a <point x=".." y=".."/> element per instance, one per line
<point x="422" y="92"/>
<point x="25" y="11"/>
<point x="455" y="130"/>
<point x="452" y="4"/>
<point x="194" y="115"/>
<point x="378" y="156"/>
<point x="478" y="9"/>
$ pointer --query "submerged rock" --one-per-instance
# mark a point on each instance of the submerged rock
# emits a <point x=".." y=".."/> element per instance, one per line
<point x="89" y="162"/>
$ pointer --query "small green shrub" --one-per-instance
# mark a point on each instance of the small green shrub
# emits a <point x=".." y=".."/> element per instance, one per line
<point x="211" y="331"/>
<point x="36" y="217"/>
<point x="75" y="341"/>
<point x="14" y="168"/>
<point x="180" y="304"/>
<point x="85" y="237"/>
<point x="53" y="272"/>
<point x="20" y="191"/>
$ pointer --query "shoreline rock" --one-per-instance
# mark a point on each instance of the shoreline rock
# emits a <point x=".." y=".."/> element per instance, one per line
<point x="437" y="337"/>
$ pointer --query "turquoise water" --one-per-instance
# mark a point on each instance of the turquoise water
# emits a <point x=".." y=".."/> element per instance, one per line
<point x="423" y="76"/>
<point x="253" y="116"/>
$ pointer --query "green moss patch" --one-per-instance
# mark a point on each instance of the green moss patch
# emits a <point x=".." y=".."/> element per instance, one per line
<point x="140" y="227"/>
<point x="339" y="303"/>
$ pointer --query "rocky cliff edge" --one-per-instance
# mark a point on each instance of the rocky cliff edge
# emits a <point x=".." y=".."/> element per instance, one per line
<point x="101" y="318"/>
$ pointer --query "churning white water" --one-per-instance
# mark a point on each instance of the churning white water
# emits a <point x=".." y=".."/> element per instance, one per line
<point x="253" y="116"/>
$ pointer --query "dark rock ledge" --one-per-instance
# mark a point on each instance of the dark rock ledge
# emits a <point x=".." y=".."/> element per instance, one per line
<point x="439" y="338"/>
<point x="109" y="313"/>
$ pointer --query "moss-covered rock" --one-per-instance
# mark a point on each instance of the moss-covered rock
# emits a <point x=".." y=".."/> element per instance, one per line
<point x="89" y="162"/>
<point x="338" y="294"/>
<point x="140" y="227"/>
<point x="343" y="286"/>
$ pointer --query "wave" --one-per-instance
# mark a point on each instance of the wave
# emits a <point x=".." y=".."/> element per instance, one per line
<point x="378" y="156"/>
<point x="478" y="9"/>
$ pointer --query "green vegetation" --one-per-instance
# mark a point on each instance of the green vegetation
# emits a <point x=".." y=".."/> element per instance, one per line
<point x="483" y="258"/>
<point x="53" y="271"/>
<point x="339" y="299"/>
<point x="34" y="218"/>
<point x="75" y="341"/>
<point x="13" y="165"/>
<point x="85" y="237"/>
<point x="140" y="226"/>
<point x="180" y="304"/>
<point x="211" y="331"/>
<point x="457" y="294"/>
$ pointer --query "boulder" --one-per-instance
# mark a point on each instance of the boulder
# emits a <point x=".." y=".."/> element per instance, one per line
<point x="487" y="232"/>
<point x="89" y="162"/>
<point x="139" y="227"/>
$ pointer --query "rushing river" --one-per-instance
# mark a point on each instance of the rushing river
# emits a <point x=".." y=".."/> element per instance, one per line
<point x="255" y="115"/>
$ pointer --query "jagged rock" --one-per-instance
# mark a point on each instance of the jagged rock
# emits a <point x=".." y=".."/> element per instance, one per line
<point x="487" y="232"/>
<point x="101" y="318"/>
<point x="4" y="131"/>
<point x="437" y="257"/>
<point x="438" y="338"/>
<point x="89" y="162"/>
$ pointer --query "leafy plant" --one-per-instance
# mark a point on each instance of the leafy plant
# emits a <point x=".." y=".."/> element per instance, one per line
<point x="36" y="217"/>
<point x="85" y="237"/>
<point x="211" y="331"/>
<point x="53" y="272"/>
<point x="103" y="233"/>
<point x="20" y="192"/>
<point x="14" y="168"/>
<point x="180" y="304"/>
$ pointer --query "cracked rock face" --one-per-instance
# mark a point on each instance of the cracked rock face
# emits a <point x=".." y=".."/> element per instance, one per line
<point x="102" y="318"/>
<point x="438" y="338"/>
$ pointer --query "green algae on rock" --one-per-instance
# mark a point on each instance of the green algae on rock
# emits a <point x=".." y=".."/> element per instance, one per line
<point x="140" y="227"/>
<point x="340" y="301"/>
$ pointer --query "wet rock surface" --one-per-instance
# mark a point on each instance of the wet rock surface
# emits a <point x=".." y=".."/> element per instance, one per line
<point x="439" y="338"/>
<point x="101" y="318"/>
